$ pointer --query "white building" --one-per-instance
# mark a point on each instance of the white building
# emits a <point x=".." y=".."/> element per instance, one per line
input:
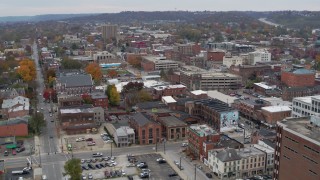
<point x="267" y="147"/>
<point x="305" y="106"/>
<point x="71" y="39"/>
<point x="104" y="57"/>
<point x="229" y="60"/>
<point x="225" y="163"/>
<point x="253" y="161"/>
<point x="259" y="56"/>
<point x="124" y="136"/>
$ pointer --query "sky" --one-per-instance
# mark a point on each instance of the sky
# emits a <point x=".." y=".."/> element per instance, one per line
<point x="38" y="7"/>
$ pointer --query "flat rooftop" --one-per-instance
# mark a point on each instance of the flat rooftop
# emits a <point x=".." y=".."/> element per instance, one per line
<point x="202" y="130"/>
<point x="250" y="151"/>
<point x="276" y="108"/>
<point x="215" y="104"/>
<point x="158" y="59"/>
<point x="306" y="99"/>
<point x="171" y="121"/>
<point x="303" y="127"/>
<point x="262" y="85"/>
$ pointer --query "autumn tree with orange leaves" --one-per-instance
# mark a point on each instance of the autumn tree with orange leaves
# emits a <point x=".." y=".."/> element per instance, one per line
<point x="27" y="70"/>
<point x="95" y="71"/>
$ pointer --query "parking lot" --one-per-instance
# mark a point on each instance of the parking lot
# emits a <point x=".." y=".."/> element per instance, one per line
<point x="157" y="171"/>
<point x="115" y="167"/>
<point x="24" y="149"/>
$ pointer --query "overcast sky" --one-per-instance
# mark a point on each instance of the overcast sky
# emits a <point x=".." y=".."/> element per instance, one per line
<point x="37" y="7"/>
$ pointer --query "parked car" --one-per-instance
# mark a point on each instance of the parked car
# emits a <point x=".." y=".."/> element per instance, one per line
<point x="131" y="165"/>
<point x="144" y="175"/>
<point x="14" y="152"/>
<point x="20" y="149"/>
<point x="90" y="176"/>
<point x="89" y="139"/>
<point x="173" y="174"/>
<point x="98" y="166"/>
<point x="91" y="166"/>
<point x="91" y="143"/>
<point x="98" y="154"/>
<point x="209" y="175"/>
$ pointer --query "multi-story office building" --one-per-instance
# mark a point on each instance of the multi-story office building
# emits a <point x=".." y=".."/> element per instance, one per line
<point x="297" y="152"/>
<point x="109" y="31"/>
<point x="196" y="78"/>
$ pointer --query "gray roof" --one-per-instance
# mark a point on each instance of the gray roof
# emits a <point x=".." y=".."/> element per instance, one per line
<point x="77" y="80"/>
<point x="172" y="121"/>
<point x="98" y="95"/>
<point x="17" y="120"/>
<point x="227" y="155"/>
<point x="141" y="119"/>
<point x="269" y="143"/>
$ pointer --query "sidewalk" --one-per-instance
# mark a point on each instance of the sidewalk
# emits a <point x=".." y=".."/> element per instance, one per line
<point x="181" y="174"/>
<point x="36" y="144"/>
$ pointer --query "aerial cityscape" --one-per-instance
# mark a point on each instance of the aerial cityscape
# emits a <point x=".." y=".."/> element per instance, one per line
<point x="168" y="90"/>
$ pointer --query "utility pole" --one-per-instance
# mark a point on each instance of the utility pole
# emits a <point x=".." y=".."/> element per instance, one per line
<point x="195" y="171"/>
<point x="39" y="155"/>
<point x="111" y="148"/>
<point x="180" y="163"/>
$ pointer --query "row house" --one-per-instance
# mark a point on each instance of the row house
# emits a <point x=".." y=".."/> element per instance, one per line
<point x="231" y="163"/>
<point x="124" y="136"/>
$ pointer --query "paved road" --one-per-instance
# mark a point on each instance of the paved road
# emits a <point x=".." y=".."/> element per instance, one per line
<point x="53" y="163"/>
<point x="48" y="137"/>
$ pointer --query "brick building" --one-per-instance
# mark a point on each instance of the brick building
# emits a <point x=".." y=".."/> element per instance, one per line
<point x="15" y="107"/>
<point x="77" y="120"/>
<point x="246" y="71"/>
<point x="197" y="135"/>
<point x="173" y="128"/>
<point x="289" y="93"/>
<point x="147" y="131"/>
<point x="66" y="100"/>
<point x="214" y="112"/>
<point x="213" y="57"/>
<point x="272" y="114"/>
<point x="169" y="90"/>
<point x="298" y="78"/>
<point x="99" y="99"/>
<point x="251" y="109"/>
<point x="14" y="127"/>
<point x="74" y="84"/>
<point x="297" y="154"/>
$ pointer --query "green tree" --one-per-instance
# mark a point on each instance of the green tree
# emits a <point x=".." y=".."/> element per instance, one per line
<point x="144" y="96"/>
<point x="73" y="168"/>
<point x="114" y="96"/>
<point x="36" y="122"/>
<point x="70" y="64"/>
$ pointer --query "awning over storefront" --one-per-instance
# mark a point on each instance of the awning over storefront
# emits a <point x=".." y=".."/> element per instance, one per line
<point x="11" y="146"/>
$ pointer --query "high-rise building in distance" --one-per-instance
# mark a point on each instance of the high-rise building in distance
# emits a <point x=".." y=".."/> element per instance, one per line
<point x="109" y="31"/>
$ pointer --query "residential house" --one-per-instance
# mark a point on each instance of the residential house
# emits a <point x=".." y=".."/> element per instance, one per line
<point x="18" y="106"/>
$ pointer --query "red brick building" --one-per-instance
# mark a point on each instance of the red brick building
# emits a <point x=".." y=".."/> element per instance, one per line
<point x="14" y="127"/>
<point x="170" y="90"/>
<point x="297" y="154"/>
<point x="272" y="114"/>
<point x="298" y="78"/>
<point x="197" y="135"/>
<point x="99" y="99"/>
<point x="147" y="131"/>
